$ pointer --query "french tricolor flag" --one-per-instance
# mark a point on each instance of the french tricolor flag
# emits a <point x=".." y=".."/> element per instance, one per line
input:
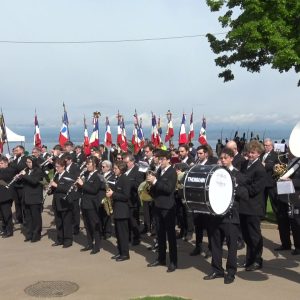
<point x="64" y="131"/>
<point x="182" y="135"/>
<point x="37" y="141"/>
<point x="107" y="137"/>
<point x="94" y="139"/>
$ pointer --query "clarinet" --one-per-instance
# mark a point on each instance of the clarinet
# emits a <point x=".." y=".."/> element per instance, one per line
<point x="15" y="179"/>
<point x="73" y="186"/>
<point x="49" y="188"/>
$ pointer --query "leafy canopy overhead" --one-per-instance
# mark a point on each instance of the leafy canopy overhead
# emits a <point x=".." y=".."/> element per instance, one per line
<point x="261" y="32"/>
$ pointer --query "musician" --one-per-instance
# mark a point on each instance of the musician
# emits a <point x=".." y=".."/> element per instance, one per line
<point x="74" y="171"/>
<point x="226" y="227"/>
<point x="69" y="148"/>
<point x="62" y="206"/>
<point x="162" y="189"/>
<point x="36" y="152"/>
<point x="120" y="198"/>
<point x="185" y="156"/>
<point x="184" y="217"/>
<point x="106" y="220"/>
<point x="33" y="199"/>
<point x="269" y="158"/>
<point x="6" y="197"/>
<point x="135" y="178"/>
<point x="80" y="156"/>
<point x="238" y="159"/>
<point x="201" y="221"/>
<point x="57" y="152"/>
<point x="252" y="209"/>
<point x="91" y="186"/>
<point x="237" y="162"/>
<point x="44" y="152"/>
<point x="19" y="164"/>
<point x="147" y="206"/>
<point x="288" y="211"/>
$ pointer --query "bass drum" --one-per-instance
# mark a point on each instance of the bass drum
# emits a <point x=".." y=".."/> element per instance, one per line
<point x="208" y="189"/>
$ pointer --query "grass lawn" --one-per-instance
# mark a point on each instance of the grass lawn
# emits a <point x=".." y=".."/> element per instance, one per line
<point x="270" y="216"/>
<point x="160" y="298"/>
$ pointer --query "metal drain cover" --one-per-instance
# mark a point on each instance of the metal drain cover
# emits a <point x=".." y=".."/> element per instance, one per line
<point x="50" y="289"/>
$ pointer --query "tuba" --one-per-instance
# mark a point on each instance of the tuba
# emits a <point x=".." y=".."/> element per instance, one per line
<point x="107" y="201"/>
<point x="144" y="189"/>
<point x="294" y="147"/>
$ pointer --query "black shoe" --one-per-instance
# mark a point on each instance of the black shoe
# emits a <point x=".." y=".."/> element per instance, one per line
<point x="115" y="256"/>
<point x="107" y="236"/>
<point x="154" y="247"/>
<point x="56" y="244"/>
<point x="213" y="275"/>
<point x="27" y="240"/>
<point x="206" y="254"/>
<point x="196" y="251"/>
<point x="94" y="251"/>
<point x="242" y="265"/>
<point x="228" y="279"/>
<point x="7" y="235"/>
<point x="295" y="251"/>
<point x="171" y="268"/>
<point x="156" y="263"/>
<point x="255" y="266"/>
<point x="35" y="240"/>
<point x="86" y="249"/>
<point x="122" y="258"/>
<point x="240" y="245"/>
<point x="67" y="245"/>
<point x="282" y="248"/>
<point x="135" y="242"/>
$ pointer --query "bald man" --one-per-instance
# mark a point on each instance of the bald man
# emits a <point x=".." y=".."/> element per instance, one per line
<point x="238" y="158"/>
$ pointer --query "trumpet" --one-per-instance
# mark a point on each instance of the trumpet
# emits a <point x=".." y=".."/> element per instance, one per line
<point x="47" y="161"/>
<point x="15" y="178"/>
<point x="107" y="201"/>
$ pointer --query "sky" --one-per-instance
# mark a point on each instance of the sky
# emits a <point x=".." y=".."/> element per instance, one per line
<point x="149" y="76"/>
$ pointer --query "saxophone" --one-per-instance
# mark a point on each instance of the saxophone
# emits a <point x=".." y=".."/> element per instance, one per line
<point x="107" y="201"/>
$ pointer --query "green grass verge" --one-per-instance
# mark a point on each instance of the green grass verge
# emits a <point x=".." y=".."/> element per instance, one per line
<point x="160" y="298"/>
<point x="270" y="216"/>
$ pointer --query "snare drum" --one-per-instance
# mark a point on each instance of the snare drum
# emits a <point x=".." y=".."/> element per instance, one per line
<point x="208" y="189"/>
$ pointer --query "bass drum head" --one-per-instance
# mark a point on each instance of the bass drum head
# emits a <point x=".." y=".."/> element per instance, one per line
<point x="220" y="192"/>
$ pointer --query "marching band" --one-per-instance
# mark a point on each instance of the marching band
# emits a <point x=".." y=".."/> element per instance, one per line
<point x="107" y="189"/>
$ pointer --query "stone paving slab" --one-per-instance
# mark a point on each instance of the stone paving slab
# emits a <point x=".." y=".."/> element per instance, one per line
<point x="99" y="277"/>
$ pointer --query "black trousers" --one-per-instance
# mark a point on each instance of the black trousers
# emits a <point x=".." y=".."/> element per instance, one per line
<point x="133" y="223"/>
<point x="33" y="221"/>
<point x="147" y="211"/>
<point x="284" y="224"/>
<point x="64" y="230"/>
<point x="165" y="227"/>
<point x="105" y="221"/>
<point x="92" y="226"/>
<point x="7" y="224"/>
<point x="184" y="218"/>
<point x="76" y="216"/>
<point x="18" y="196"/>
<point x="201" y="223"/>
<point x="250" y="226"/>
<point x="122" y="235"/>
<point x="219" y="232"/>
<point x="295" y="226"/>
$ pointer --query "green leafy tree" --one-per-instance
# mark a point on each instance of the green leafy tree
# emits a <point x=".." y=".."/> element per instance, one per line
<point x="261" y="32"/>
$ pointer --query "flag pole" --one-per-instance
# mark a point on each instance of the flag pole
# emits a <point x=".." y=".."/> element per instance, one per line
<point x="4" y="127"/>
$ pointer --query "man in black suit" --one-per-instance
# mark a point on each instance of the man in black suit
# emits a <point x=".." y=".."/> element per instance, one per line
<point x="135" y="178"/>
<point x="289" y="210"/>
<point x="185" y="156"/>
<point x="201" y="221"/>
<point x="80" y="156"/>
<point x="19" y="164"/>
<point x="269" y="158"/>
<point x="238" y="159"/>
<point x="252" y="209"/>
<point x="74" y="171"/>
<point x="162" y="189"/>
<point x="227" y="227"/>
